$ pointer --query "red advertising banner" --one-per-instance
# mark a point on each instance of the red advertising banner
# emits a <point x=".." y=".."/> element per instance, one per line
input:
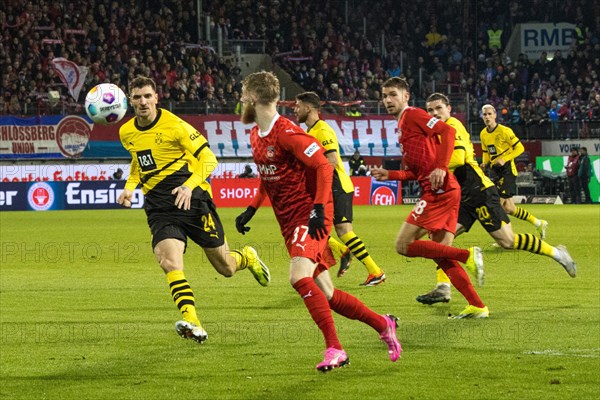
<point x="235" y="192"/>
<point x="239" y="192"/>
<point x="362" y="189"/>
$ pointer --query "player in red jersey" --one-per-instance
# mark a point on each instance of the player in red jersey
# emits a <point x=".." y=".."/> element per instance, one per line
<point x="427" y="144"/>
<point x="297" y="177"/>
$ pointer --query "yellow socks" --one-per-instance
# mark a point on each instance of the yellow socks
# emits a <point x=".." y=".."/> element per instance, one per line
<point x="359" y="251"/>
<point x="240" y="260"/>
<point x="441" y="277"/>
<point x="183" y="296"/>
<point x="525" y="215"/>
<point x="532" y="244"/>
<point x="336" y="247"/>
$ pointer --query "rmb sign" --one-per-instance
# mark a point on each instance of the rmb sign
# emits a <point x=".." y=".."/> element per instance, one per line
<point x="536" y="38"/>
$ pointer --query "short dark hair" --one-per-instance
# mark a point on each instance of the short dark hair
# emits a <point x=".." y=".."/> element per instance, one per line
<point x="310" y="98"/>
<point x="140" y="82"/>
<point x="438" y="96"/>
<point x="396" y="82"/>
<point x="583" y="148"/>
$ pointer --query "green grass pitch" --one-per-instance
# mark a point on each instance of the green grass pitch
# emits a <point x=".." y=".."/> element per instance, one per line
<point x="85" y="313"/>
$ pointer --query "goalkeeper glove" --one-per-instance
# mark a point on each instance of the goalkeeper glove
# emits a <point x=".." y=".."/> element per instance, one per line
<point x="316" y="222"/>
<point x="243" y="219"/>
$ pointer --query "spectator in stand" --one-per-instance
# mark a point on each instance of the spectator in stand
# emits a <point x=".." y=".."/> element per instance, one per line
<point x="553" y="117"/>
<point x="433" y="37"/>
<point x="362" y="171"/>
<point x="355" y="162"/>
<point x="572" y="169"/>
<point x="494" y="34"/>
<point x="248" y="173"/>
<point x="118" y="175"/>
<point x="585" y="173"/>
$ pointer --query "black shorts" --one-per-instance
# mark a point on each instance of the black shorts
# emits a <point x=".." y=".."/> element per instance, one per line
<point x="342" y="205"/>
<point x="483" y="206"/>
<point x="505" y="181"/>
<point x="201" y="224"/>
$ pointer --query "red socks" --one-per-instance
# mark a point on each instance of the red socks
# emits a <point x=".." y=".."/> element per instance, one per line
<point x="352" y="308"/>
<point x="433" y="250"/>
<point x="460" y="280"/>
<point x="318" y="307"/>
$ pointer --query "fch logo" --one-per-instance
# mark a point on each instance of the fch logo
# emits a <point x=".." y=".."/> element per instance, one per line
<point x="383" y="196"/>
<point x="40" y="196"/>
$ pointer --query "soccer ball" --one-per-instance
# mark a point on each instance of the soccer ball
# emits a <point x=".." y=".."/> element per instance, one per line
<point x="106" y="104"/>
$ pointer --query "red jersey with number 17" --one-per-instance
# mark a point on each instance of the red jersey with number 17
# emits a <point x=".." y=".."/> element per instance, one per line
<point x="420" y="145"/>
<point x="287" y="158"/>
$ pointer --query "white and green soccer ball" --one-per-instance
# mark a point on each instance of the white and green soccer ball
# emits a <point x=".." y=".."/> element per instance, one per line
<point x="106" y="104"/>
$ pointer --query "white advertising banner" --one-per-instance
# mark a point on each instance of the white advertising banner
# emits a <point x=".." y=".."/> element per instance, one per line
<point x="375" y="136"/>
<point x="93" y="172"/>
<point x="536" y="38"/>
<point x="563" y="147"/>
<point x="58" y="172"/>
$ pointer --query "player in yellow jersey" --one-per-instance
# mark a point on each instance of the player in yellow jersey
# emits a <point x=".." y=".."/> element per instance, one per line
<point x="307" y="109"/>
<point x="480" y="201"/>
<point x="500" y="147"/>
<point x="171" y="160"/>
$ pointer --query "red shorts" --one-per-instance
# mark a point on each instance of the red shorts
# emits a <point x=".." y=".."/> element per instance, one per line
<point x="300" y="244"/>
<point x="435" y="212"/>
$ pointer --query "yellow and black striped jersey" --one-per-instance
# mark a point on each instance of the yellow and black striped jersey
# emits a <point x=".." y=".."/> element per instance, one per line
<point x="463" y="163"/>
<point x="501" y="142"/>
<point x="164" y="155"/>
<point x="324" y="134"/>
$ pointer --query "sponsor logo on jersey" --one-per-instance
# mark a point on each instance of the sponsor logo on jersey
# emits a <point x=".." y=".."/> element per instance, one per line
<point x="311" y="150"/>
<point x="432" y="122"/>
<point x="146" y="160"/>
<point x="266" y="169"/>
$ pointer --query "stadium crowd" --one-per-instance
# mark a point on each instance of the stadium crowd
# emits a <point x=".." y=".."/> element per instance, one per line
<point x="344" y="54"/>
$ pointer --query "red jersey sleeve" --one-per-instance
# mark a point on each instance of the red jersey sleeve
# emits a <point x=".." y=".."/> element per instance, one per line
<point x="310" y="153"/>
<point x="396" y="175"/>
<point x="443" y="132"/>
<point x="260" y="196"/>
